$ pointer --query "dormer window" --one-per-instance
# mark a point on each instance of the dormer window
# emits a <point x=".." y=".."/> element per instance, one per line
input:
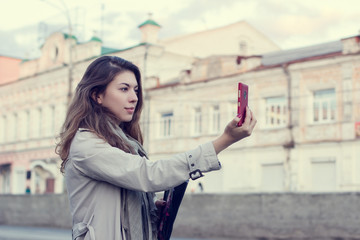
<point x="243" y="47"/>
<point x="54" y="53"/>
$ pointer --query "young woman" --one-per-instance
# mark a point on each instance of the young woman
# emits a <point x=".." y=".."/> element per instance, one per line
<point x="110" y="181"/>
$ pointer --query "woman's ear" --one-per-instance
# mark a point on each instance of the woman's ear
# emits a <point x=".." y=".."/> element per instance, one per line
<point x="96" y="97"/>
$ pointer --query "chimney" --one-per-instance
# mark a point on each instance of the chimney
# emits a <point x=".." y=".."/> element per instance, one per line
<point x="149" y="31"/>
<point x="351" y="44"/>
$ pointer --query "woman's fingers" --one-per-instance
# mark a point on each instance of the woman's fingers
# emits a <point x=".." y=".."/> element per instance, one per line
<point x="235" y="121"/>
<point x="160" y="203"/>
<point x="250" y="122"/>
<point x="248" y="116"/>
<point x="253" y="121"/>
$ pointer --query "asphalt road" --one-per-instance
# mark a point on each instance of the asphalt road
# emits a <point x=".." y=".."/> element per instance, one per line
<point x="39" y="233"/>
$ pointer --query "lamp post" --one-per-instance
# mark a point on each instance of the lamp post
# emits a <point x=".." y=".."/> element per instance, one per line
<point x="65" y="11"/>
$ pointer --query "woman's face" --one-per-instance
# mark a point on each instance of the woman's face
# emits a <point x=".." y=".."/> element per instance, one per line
<point x="121" y="96"/>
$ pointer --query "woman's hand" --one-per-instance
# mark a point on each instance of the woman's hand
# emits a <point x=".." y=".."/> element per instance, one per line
<point x="160" y="204"/>
<point x="233" y="133"/>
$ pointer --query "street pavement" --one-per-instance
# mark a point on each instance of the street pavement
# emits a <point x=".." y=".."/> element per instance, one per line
<point x="41" y="233"/>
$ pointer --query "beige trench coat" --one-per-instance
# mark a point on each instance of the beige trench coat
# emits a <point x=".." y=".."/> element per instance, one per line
<point x="96" y="172"/>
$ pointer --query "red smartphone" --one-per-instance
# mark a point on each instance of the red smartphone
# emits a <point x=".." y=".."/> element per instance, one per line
<point x="243" y="94"/>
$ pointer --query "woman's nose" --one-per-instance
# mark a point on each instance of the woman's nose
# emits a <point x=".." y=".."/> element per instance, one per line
<point x="133" y="96"/>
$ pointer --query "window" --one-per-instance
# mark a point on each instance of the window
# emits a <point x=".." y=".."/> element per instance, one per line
<point x="36" y="122"/>
<point x="5" y="174"/>
<point x="54" y="53"/>
<point x="3" y="129"/>
<point x="49" y="185"/>
<point x="275" y="112"/>
<point x="243" y="47"/>
<point x="324" y="106"/>
<point x="19" y="184"/>
<point x="22" y="125"/>
<point x="40" y="123"/>
<point x="323" y="174"/>
<point x="27" y="125"/>
<point x="232" y="109"/>
<point x="52" y="120"/>
<point x="197" y="121"/>
<point x="215" y="119"/>
<point x="13" y="127"/>
<point x="272" y="177"/>
<point x="16" y="126"/>
<point x="166" y="122"/>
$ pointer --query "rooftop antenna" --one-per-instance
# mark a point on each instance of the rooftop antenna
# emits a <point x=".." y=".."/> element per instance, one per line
<point x="102" y="21"/>
<point x="42" y="32"/>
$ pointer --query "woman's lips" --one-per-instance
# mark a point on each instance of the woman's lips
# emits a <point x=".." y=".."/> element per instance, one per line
<point x="130" y="110"/>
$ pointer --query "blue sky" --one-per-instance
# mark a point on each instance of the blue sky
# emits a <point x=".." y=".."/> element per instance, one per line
<point x="289" y="23"/>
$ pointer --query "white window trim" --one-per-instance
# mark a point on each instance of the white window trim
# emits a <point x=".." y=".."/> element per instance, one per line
<point x="5" y="179"/>
<point x="215" y="124"/>
<point x="3" y="133"/>
<point x="319" y="160"/>
<point x="322" y="121"/>
<point x="269" y="164"/>
<point x="284" y="110"/>
<point x="169" y="129"/>
<point x="197" y="121"/>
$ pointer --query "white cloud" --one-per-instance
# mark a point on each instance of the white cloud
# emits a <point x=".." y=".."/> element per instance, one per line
<point x="290" y="24"/>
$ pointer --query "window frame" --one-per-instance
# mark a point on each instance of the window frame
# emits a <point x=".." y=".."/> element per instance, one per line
<point x="215" y="119"/>
<point x="283" y="110"/>
<point x="166" y="124"/>
<point x="320" y="101"/>
<point x="197" y="128"/>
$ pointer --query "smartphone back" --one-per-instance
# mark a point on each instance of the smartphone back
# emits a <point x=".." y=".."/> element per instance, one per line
<point x="243" y="94"/>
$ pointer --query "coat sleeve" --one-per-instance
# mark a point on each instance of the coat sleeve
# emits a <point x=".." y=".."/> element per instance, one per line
<point x="98" y="160"/>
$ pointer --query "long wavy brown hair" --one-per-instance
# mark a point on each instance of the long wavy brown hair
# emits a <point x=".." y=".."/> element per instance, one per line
<point x="85" y="112"/>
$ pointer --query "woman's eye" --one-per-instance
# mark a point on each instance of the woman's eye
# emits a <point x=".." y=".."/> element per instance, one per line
<point x="123" y="89"/>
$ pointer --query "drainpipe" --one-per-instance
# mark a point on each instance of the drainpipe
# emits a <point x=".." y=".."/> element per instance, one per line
<point x="290" y="144"/>
<point x="146" y="102"/>
<point x="70" y="74"/>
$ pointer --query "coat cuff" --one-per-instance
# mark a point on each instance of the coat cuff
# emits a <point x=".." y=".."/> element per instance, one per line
<point x="202" y="159"/>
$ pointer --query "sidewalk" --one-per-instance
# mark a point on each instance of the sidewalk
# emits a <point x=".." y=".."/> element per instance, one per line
<point x="33" y="233"/>
<point x="40" y="233"/>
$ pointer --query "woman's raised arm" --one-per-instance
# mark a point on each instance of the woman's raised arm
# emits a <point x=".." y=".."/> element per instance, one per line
<point x="233" y="133"/>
